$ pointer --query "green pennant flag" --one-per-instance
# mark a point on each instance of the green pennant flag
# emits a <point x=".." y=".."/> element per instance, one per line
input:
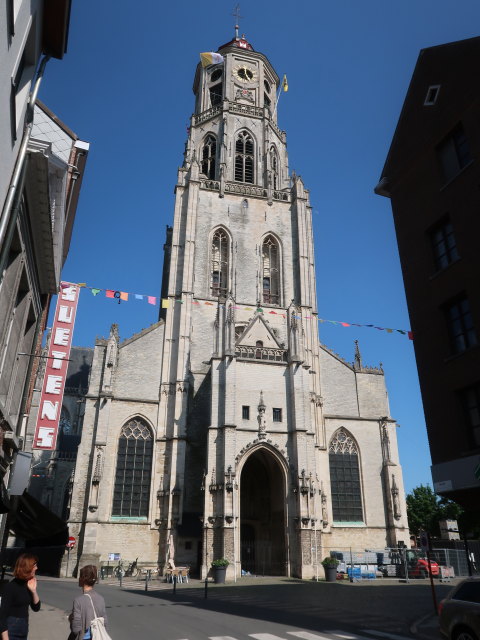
<point x="95" y="291"/>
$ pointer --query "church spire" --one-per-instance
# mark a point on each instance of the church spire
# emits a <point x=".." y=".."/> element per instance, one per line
<point x="358" y="364"/>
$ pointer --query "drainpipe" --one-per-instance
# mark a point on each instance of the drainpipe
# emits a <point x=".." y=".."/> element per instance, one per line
<point x="22" y="154"/>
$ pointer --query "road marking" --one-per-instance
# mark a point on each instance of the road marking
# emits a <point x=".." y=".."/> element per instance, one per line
<point x="221" y="638"/>
<point x="382" y="634"/>
<point x="267" y="636"/>
<point x="345" y="635"/>
<point x="306" y="635"/>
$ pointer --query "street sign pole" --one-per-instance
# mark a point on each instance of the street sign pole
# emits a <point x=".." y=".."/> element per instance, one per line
<point x="430" y="575"/>
<point x="68" y="560"/>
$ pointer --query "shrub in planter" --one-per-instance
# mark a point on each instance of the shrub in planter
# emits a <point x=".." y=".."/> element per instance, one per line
<point x="220" y="562"/>
<point x="219" y="568"/>
<point x="330" y="566"/>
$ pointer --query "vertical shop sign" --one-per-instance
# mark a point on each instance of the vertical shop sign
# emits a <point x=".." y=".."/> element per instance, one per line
<point x="56" y="367"/>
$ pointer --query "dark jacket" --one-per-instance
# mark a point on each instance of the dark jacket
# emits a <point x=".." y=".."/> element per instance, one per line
<point x="16" y="598"/>
<point x="83" y="612"/>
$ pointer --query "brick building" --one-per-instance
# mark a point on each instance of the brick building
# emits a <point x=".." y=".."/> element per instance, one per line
<point x="431" y="176"/>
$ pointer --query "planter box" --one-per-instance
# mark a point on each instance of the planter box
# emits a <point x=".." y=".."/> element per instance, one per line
<point x="219" y="574"/>
<point x="330" y="574"/>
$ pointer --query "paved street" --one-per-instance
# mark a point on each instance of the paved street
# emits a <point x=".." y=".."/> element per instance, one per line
<point x="255" y="608"/>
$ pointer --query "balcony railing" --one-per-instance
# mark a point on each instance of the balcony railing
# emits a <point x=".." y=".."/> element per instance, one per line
<point x="264" y="354"/>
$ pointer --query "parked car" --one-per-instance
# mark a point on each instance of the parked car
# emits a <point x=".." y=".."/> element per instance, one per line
<point x="459" y="612"/>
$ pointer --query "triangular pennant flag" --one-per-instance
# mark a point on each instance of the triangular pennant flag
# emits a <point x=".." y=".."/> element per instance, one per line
<point x="195" y="302"/>
<point x="152" y="300"/>
<point x="95" y="292"/>
<point x="110" y="293"/>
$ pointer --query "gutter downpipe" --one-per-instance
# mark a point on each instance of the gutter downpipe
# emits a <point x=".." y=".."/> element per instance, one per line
<point x="22" y="154"/>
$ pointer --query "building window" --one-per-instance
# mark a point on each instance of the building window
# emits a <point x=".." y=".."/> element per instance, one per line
<point x="277" y="415"/>
<point x="245" y="413"/>
<point x="244" y="158"/>
<point x="267" y="103"/>
<point x="460" y="324"/>
<point x="432" y="95"/>
<point x="470" y="399"/>
<point x="274" y="167"/>
<point x="216" y="94"/>
<point x="258" y="350"/>
<point x="65" y="423"/>
<point x="454" y="153"/>
<point x="208" y="157"/>
<point x="220" y="260"/>
<point x="270" y="271"/>
<point x="443" y="245"/>
<point x="133" y="473"/>
<point x="345" y="478"/>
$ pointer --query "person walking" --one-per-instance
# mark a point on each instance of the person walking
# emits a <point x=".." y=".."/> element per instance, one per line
<point x="19" y="594"/>
<point x="86" y="605"/>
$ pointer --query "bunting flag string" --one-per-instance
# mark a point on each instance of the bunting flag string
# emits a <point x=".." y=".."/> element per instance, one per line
<point x="123" y="296"/>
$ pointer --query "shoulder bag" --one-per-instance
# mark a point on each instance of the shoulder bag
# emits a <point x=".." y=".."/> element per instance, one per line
<point x="97" y="625"/>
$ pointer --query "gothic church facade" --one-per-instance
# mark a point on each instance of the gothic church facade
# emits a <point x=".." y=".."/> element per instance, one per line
<point x="227" y="429"/>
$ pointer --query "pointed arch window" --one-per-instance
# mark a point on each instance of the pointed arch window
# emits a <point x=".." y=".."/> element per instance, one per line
<point x="274" y="167"/>
<point x="131" y="492"/>
<point x="244" y="158"/>
<point x="345" y="478"/>
<point x="220" y="263"/>
<point x="208" y="157"/>
<point x="271" y="271"/>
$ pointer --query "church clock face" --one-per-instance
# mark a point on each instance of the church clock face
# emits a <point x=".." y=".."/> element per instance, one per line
<point x="244" y="74"/>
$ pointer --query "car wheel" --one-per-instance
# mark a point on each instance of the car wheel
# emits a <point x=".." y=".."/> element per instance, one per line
<point x="463" y="633"/>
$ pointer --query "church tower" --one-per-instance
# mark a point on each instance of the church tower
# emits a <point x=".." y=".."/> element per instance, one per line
<point x="258" y="443"/>
<point x="242" y="366"/>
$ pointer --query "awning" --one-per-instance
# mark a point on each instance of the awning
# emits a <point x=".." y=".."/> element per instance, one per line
<point x="30" y="520"/>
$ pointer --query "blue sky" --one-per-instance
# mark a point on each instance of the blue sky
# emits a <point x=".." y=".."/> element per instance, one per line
<point x="125" y="86"/>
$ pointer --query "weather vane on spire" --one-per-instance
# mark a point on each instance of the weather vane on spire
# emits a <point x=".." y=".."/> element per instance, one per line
<point x="236" y="13"/>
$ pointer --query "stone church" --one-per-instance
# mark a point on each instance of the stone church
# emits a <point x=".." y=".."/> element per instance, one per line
<point x="227" y="429"/>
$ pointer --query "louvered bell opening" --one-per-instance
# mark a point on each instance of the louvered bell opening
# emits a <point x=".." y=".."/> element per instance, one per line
<point x="248" y="170"/>
<point x="239" y="168"/>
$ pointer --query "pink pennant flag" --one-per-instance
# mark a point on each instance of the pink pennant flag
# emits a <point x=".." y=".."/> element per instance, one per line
<point x="152" y="300"/>
<point x="195" y="302"/>
<point x="344" y="324"/>
<point x="110" y="293"/>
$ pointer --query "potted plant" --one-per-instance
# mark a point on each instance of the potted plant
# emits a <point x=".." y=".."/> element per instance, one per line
<point x="330" y="565"/>
<point x="219" y="568"/>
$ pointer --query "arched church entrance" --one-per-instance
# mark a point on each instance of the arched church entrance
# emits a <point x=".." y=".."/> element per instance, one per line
<point x="262" y="515"/>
